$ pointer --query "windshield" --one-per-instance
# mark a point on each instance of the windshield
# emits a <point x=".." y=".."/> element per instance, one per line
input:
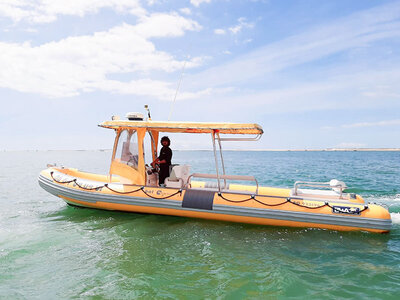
<point x="127" y="148"/>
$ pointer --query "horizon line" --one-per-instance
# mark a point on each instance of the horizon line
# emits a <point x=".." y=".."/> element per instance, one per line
<point x="386" y="149"/>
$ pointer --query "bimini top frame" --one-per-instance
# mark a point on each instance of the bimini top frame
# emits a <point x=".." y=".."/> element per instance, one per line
<point x="187" y="127"/>
<point x="215" y="129"/>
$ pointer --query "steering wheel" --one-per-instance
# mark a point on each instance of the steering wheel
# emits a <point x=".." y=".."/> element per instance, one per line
<point x="133" y="160"/>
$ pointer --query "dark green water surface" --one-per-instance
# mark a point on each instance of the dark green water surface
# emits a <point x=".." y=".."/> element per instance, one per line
<point x="49" y="250"/>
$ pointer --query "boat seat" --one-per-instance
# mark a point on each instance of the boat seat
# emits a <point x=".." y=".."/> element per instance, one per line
<point x="178" y="177"/>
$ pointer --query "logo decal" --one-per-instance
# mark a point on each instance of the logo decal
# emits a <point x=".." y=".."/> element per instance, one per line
<point x="346" y="210"/>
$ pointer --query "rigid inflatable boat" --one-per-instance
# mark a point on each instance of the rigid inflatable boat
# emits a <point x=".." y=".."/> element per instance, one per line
<point x="132" y="185"/>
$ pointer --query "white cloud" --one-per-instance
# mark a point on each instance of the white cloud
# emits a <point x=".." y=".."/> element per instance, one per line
<point x="385" y="123"/>
<point x="247" y="41"/>
<point x="334" y="92"/>
<point x="198" y="2"/>
<point x="373" y="124"/>
<point x="381" y="94"/>
<point x="31" y="30"/>
<point x="242" y="24"/>
<point x="84" y="63"/>
<point x="45" y="11"/>
<point x="327" y="127"/>
<point x="219" y="31"/>
<point x="356" y="30"/>
<point x="151" y="2"/>
<point x="151" y="88"/>
<point x="186" y="11"/>
<point x="236" y="29"/>
<point x="162" y="25"/>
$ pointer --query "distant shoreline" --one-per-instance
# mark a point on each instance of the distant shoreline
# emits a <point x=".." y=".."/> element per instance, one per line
<point x="326" y="150"/>
<point x="241" y="150"/>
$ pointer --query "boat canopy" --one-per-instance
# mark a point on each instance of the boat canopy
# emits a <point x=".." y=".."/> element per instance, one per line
<point x="186" y="127"/>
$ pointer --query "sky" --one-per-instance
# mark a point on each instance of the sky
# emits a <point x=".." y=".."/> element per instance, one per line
<point x="314" y="74"/>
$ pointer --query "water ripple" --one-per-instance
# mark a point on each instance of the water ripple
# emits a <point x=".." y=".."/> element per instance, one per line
<point x="50" y="250"/>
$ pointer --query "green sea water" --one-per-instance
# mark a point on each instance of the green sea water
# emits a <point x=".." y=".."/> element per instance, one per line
<point x="49" y="250"/>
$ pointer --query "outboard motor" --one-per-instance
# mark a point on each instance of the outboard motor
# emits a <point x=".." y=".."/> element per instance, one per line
<point x="337" y="185"/>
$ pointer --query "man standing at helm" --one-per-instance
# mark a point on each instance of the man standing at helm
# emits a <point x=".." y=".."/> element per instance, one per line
<point x="164" y="160"/>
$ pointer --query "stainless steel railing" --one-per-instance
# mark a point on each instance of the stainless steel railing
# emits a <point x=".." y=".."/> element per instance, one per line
<point x="340" y="186"/>
<point x="225" y="177"/>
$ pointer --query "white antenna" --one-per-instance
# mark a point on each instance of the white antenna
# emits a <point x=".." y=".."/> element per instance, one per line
<point x="176" y="93"/>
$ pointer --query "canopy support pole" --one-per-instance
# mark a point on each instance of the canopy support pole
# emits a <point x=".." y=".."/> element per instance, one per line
<point x="216" y="159"/>
<point x="118" y="133"/>
<point x="222" y="158"/>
